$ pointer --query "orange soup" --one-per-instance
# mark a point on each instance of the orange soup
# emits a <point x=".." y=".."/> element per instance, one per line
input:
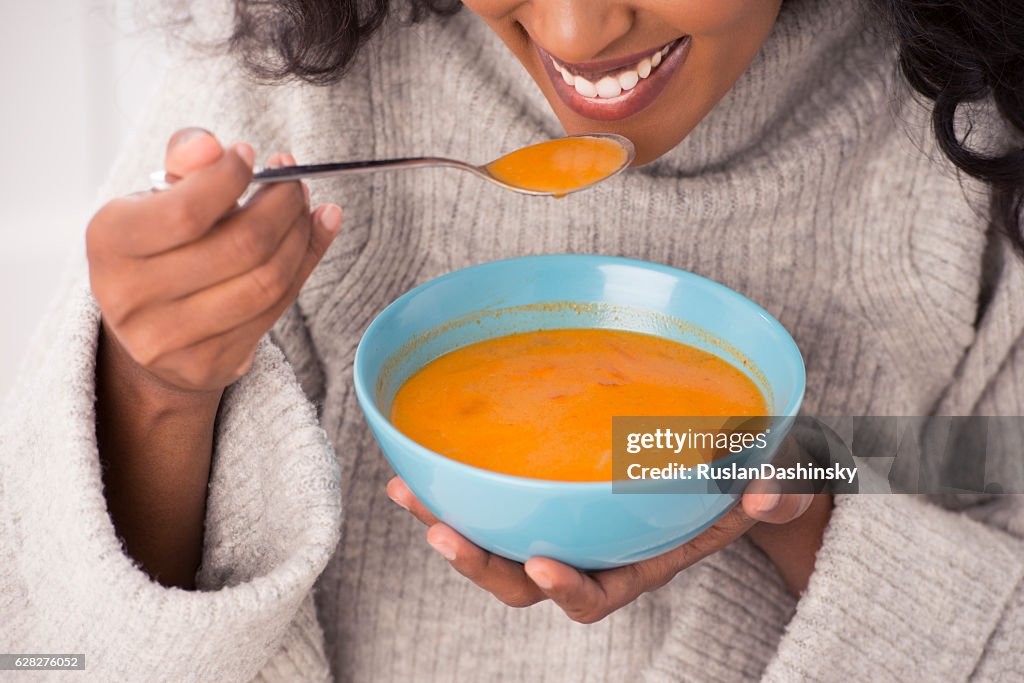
<point x="560" y="166"/>
<point x="540" y="404"/>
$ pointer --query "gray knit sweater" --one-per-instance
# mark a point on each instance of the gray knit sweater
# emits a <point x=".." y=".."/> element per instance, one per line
<point x="813" y="188"/>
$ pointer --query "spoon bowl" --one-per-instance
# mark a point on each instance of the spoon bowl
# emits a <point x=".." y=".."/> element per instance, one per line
<point x="562" y="166"/>
<point x="600" y="156"/>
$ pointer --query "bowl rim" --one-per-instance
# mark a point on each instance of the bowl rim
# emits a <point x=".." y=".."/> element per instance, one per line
<point x="375" y="417"/>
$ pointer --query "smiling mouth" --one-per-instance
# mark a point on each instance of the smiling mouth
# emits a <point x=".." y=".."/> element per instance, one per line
<point x="615" y="89"/>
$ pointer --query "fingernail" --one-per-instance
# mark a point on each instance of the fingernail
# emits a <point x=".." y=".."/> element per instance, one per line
<point x="399" y="503"/>
<point x="446" y="551"/>
<point x="188" y="136"/>
<point x="191" y="134"/>
<point x="246" y="152"/>
<point x="542" y="579"/>
<point x="767" y="502"/>
<point x="330" y="218"/>
<point x="806" y="501"/>
<point x="288" y="159"/>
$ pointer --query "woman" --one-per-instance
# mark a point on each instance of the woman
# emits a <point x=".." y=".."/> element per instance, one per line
<point x="152" y="433"/>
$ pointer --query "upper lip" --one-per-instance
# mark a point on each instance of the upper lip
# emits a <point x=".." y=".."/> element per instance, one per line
<point x="599" y="66"/>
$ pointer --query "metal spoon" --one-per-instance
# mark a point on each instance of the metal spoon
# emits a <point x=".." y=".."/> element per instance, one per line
<point x="161" y="180"/>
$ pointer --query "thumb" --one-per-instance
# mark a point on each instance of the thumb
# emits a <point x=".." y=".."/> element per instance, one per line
<point x="764" y="501"/>
<point x="190" y="149"/>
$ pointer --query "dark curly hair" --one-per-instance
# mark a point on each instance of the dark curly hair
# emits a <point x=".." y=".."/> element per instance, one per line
<point x="314" y="40"/>
<point x="957" y="53"/>
<point x="963" y="53"/>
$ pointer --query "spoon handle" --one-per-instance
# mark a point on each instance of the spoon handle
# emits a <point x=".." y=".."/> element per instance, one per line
<point x="161" y="180"/>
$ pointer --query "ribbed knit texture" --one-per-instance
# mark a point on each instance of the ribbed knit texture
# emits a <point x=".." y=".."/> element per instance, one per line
<point x="813" y="188"/>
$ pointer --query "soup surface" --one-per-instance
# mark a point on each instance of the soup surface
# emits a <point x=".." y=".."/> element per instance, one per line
<point x="560" y="166"/>
<point x="540" y="404"/>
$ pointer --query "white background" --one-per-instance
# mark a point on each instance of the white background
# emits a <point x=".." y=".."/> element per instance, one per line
<point x="75" y="79"/>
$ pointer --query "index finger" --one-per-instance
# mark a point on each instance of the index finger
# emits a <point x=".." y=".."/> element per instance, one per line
<point x="158" y="222"/>
<point x="499" y="576"/>
<point x="590" y="598"/>
<point x="586" y="599"/>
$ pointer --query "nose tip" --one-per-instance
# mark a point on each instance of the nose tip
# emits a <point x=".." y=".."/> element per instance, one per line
<point x="578" y="30"/>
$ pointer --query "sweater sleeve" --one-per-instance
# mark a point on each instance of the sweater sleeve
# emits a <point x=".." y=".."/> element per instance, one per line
<point x="904" y="589"/>
<point x="273" y="503"/>
<point x="272" y="522"/>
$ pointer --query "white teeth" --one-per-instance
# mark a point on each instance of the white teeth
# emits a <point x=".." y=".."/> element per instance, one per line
<point x="566" y="76"/>
<point x="608" y="87"/>
<point x="613" y="85"/>
<point x="628" y="80"/>
<point x="584" y="87"/>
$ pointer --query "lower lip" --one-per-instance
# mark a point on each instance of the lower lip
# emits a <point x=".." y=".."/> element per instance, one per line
<point x="629" y="102"/>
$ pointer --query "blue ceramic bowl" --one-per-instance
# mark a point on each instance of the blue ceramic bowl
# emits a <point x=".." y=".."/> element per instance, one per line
<point x="583" y="524"/>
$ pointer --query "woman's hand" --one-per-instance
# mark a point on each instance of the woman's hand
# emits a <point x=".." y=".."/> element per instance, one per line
<point x="187" y="280"/>
<point x="590" y="597"/>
